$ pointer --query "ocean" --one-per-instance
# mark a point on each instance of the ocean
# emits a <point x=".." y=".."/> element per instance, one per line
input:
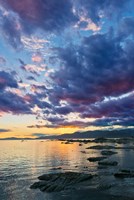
<point x="21" y="162"/>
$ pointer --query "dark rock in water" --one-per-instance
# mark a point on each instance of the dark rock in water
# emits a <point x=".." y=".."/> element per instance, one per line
<point x="125" y="147"/>
<point x="108" y="163"/>
<point x="60" y="181"/>
<point x="56" y="168"/>
<point x="83" y="152"/>
<point x="125" y="174"/>
<point x="108" y="153"/>
<point x="85" y="167"/>
<point x="100" y="140"/>
<point x="99" y="147"/>
<point x="68" y="142"/>
<point x="95" y="159"/>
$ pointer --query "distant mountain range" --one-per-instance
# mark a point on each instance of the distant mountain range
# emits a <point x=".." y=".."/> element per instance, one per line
<point x="94" y="134"/>
<point x="86" y="134"/>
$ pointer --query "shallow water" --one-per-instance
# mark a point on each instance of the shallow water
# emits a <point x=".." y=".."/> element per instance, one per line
<point x="22" y="162"/>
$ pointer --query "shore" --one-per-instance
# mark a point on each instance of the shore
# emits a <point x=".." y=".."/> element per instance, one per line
<point x="80" y="185"/>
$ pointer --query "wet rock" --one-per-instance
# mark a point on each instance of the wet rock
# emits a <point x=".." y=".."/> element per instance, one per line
<point x="95" y="159"/>
<point x="60" y="181"/>
<point x="68" y="142"/>
<point x="83" y="152"/>
<point x="56" y="168"/>
<point x="108" y="163"/>
<point x="100" y="140"/>
<point x="124" y="174"/>
<point x="85" y="167"/>
<point x="125" y="147"/>
<point x="108" y="153"/>
<point x="99" y="147"/>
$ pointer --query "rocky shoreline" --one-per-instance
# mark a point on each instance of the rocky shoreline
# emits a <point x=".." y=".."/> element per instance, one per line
<point x="72" y="181"/>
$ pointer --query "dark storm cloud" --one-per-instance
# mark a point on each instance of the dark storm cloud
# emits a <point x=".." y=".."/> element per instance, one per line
<point x="126" y="27"/>
<point x="121" y="107"/>
<point x="128" y="121"/>
<point x="99" y="68"/>
<point x="63" y="110"/>
<point x="37" y="100"/>
<point x="102" y="66"/>
<point x="7" y="80"/>
<point x="12" y="103"/>
<point x="49" y="15"/>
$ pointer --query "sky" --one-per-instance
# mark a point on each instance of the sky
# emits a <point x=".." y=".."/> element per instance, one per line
<point x="66" y="66"/>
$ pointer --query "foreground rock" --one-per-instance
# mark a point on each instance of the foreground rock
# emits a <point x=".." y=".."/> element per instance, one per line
<point x="95" y="159"/>
<point x="60" y="181"/>
<point x="101" y="147"/>
<point x="108" y="153"/>
<point x="125" y="174"/>
<point x="108" y="163"/>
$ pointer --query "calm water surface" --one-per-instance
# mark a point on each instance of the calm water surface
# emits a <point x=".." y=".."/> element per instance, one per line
<point x="22" y="162"/>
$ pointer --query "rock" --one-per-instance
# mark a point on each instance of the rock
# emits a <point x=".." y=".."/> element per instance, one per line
<point x="100" y="140"/>
<point x="60" y="181"/>
<point x="126" y="147"/>
<point x="124" y="174"/>
<point x="83" y="152"/>
<point x="108" y="163"/>
<point x="108" y="153"/>
<point x="56" y="168"/>
<point x="99" y="147"/>
<point x="95" y="159"/>
<point x="68" y="142"/>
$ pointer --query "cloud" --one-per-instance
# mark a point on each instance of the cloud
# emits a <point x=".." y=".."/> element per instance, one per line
<point x="36" y="126"/>
<point x="86" y="77"/>
<point x="4" y="130"/>
<point x="6" y="80"/>
<point x="96" y="10"/>
<point x="99" y="68"/>
<point x="39" y="134"/>
<point x="33" y="68"/>
<point x="37" y="58"/>
<point x="2" y="60"/>
<point x="49" y="15"/>
<point x="11" y="101"/>
<point x="11" y="31"/>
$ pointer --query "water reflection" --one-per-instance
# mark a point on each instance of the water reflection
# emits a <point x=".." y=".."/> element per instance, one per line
<point x="22" y="162"/>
